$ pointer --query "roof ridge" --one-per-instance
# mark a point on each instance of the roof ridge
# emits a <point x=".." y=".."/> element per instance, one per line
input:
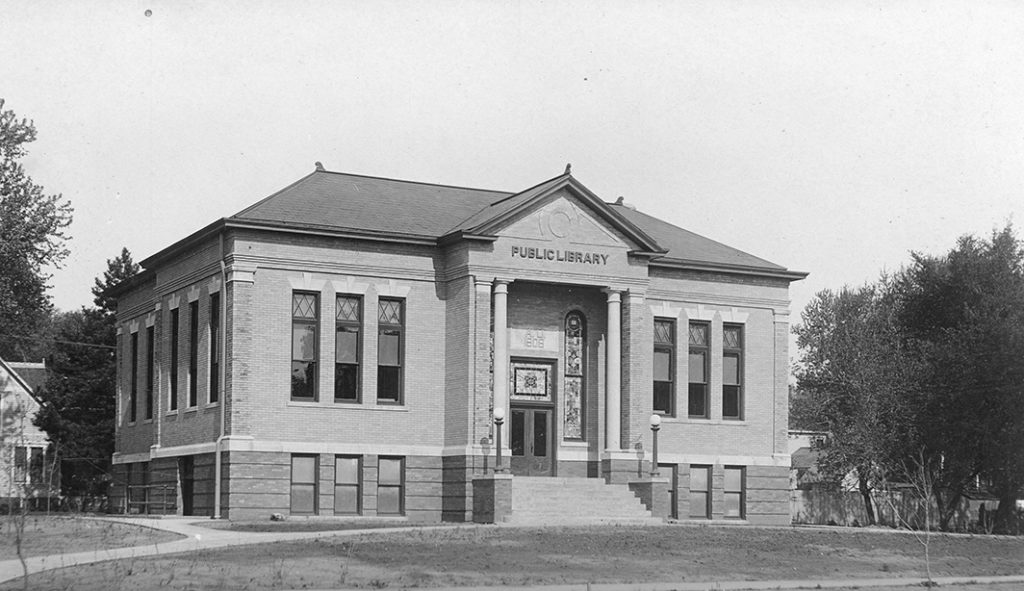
<point x="384" y="178"/>
<point x="518" y="193"/>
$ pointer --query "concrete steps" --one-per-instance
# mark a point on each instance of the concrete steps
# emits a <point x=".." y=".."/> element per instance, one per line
<point x="541" y="500"/>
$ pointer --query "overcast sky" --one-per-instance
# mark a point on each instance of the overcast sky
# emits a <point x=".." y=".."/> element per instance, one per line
<point x="829" y="137"/>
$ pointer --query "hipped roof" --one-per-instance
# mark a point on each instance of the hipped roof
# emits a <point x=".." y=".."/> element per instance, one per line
<point x="389" y="209"/>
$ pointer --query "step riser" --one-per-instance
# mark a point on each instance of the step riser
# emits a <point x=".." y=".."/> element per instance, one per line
<point x="548" y="500"/>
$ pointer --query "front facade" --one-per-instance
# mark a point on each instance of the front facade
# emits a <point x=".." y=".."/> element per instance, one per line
<point x="341" y="347"/>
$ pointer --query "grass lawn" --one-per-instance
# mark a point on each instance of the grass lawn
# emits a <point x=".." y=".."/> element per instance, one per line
<point x="49" y="534"/>
<point x="538" y="556"/>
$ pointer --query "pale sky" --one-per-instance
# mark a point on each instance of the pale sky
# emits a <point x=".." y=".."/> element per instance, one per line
<point x="829" y="137"/>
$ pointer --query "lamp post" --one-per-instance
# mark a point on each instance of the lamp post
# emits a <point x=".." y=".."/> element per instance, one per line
<point x="655" y="425"/>
<point x="499" y="418"/>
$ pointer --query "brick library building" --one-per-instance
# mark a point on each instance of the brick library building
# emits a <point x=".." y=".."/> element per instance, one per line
<point x="363" y="346"/>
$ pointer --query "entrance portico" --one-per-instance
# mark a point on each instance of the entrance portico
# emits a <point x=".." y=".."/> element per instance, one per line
<point x="557" y="372"/>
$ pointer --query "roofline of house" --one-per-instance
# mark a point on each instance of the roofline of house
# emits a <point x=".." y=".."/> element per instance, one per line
<point x="21" y="381"/>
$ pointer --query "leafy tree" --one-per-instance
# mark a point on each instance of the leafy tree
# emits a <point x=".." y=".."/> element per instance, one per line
<point x="967" y="310"/>
<point x="32" y="237"/>
<point x="853" y="377"/>
<point x="79" y="402"/>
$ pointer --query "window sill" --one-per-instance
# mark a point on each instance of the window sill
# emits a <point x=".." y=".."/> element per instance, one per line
<point x="349" y="406"/>
<point x="211" y="405"/>
<point x="192" y="409"/>
<point x="699" y="421"/>
<point x="575" y="443"/>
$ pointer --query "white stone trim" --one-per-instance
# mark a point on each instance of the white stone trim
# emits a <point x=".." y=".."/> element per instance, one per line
<point x="350" y="286"/>
<point x="776" y="461"/>
<point x="306" y="283"/>
<point x="701" y="313"/>
<point x="665" y="310"/>
<point x="120" y="330"/>
<point x="150" y="320"/>
<point x="119" y="458"/>
<point x="392" y="289"/>
<point x="133" y="326"/>
<point x="193" y="294"/>
<point x="213" y="286"/>
<point x="174" y="301"/>
<point x="781" y="317"/>
<point x="635" y="298"/>
<point x="241" y="273"/>
<point x="734" y="316"/>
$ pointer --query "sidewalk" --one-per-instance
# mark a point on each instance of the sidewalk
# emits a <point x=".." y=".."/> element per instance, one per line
<point x="196" y="538"/>
<point x="202" y="538"/>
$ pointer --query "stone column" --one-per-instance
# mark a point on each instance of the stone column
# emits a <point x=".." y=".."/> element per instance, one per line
<point x="613" y="373"/>
<point x="501" y="350"/>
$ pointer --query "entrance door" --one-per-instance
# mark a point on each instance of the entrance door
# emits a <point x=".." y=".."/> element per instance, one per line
<point x="186" y="468"/>
<point x="530" y="440"/>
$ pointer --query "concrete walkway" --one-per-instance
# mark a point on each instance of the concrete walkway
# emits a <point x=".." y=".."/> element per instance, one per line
<point x="202" y="538"/>
<point x="196" y="538"/>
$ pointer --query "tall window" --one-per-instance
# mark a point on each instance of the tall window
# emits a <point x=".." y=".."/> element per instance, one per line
<point x="304" y="481"/>
<point x="150" y="370"/>
<point x="305" y="334"/>
<point x="575" y="359"/>
<point x="664" y="363"/>
<point x="348" y="318"/>
<point x="700" y="492"/>
<point x="133" y="396"/>
<point x="735" y="492"/>
<point x="193" y="353"/>
<point x="347" y="485"/>
<point x="732" y="372"/>
<point x="215" y="347"/>
<point x="389" y="351"/>
<point x="21" y="464"/>
<point x="175" y="327"/>
<point x="390" y="484"/>
<point x="698" y="396"/>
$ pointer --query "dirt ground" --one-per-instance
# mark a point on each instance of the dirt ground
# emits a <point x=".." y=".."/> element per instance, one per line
<point x="62" y="534"/>
<point x="299" y="525"/>
<point x="487" y="556"/>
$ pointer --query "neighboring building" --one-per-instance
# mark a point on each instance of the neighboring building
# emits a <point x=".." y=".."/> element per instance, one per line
<point x="25" y="470"/>
<point x="338" y="342"/>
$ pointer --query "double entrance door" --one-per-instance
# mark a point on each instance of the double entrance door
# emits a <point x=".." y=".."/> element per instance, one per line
<point x="530" y="440"/>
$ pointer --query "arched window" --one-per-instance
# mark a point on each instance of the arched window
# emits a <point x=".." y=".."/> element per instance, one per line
<point x="575" y="367"/>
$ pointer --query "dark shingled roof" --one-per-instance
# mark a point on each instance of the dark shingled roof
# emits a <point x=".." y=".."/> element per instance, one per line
<point x="377" y="206"/>
<point x="687" y="246"/>
<point x="353" y="202"/>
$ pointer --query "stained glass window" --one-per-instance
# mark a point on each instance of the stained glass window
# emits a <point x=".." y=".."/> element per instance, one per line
<point x="575" y="352"/>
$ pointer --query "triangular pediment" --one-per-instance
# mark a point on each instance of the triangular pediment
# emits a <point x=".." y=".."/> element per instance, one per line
<point x="563" y="218"/>
<point x="560" y="209"/>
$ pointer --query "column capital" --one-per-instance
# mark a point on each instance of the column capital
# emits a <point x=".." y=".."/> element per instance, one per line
<point x="614" y="295"/>
<point x="501" y="285"/>
<point x="482" y="284"/>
